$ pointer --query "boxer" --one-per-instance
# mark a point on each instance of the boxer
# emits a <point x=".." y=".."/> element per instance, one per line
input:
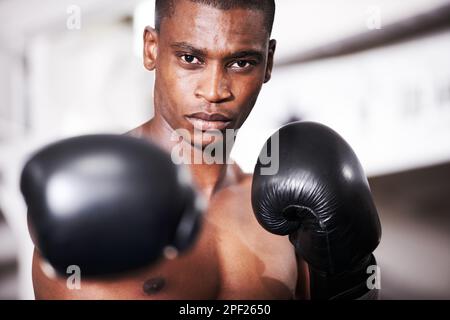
<point x="211" y="59"/>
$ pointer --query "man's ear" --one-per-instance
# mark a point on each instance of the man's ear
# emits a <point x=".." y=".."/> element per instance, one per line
<point x="270" y="57"/>
<point x="150" y="48"/>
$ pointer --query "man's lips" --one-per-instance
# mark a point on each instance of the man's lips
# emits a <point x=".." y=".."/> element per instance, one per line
<point x="205" y="121"/>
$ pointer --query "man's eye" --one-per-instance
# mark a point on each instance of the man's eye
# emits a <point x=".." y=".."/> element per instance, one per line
<point x="190" y="59"/>
<point x="241" y="64"/>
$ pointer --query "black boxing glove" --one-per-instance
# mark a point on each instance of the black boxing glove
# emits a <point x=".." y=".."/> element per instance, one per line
<point x="321" y="198"/>
<point x="108" y="204"/>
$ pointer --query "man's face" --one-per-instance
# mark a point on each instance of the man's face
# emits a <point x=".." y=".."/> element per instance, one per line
<point x="210" y="66"/>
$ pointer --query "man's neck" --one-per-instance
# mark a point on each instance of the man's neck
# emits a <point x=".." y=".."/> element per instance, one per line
<point x="209" y="178"/>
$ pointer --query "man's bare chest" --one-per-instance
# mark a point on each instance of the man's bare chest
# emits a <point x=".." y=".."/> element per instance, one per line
<point x="255" y="265"/>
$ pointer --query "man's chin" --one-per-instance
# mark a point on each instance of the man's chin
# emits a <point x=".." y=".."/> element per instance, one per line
<point x="202" y="138"/>
<point x="206" y="147"/>
<point x="209" y="139"/>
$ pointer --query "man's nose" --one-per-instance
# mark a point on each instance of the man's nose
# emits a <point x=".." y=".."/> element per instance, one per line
<point x="214" y="85"/>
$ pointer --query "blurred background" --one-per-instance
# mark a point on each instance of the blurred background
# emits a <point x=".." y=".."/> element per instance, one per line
<point x="376" y="71"/>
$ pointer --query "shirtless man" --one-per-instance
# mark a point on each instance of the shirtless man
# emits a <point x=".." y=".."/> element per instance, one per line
<point x="211" y="59"/>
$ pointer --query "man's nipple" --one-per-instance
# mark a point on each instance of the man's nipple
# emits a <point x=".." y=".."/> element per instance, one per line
<point x="154" y="285"/>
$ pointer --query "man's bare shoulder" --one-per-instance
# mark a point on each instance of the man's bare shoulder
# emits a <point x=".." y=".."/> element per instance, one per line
<point x="137" y="132"/>
<point x="243" y="179"/>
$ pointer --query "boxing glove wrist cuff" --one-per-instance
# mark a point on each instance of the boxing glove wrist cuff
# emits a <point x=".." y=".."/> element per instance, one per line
<point x="346" y="285"/>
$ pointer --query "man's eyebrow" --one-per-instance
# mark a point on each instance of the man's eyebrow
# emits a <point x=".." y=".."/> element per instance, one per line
<point x="187" y="47"/>
<point x="203" y="53"/>
<point x="247" y="53"/>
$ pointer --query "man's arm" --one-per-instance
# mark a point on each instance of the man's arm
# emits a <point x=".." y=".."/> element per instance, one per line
<point x="46" y="287"/>
<point x="302" y="287"/>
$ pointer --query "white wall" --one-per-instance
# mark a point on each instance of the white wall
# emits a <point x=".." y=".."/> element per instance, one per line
<point x="301" y="25"/>
<point x="88" y="81"/>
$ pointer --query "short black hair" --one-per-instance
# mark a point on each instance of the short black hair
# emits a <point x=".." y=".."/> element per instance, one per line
<point x="165" y="8"/>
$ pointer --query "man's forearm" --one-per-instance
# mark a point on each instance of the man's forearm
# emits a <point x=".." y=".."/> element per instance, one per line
<point x="303" y="284"/>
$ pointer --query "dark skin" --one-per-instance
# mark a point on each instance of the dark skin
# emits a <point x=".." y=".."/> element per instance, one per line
<point x="213" y="61"/>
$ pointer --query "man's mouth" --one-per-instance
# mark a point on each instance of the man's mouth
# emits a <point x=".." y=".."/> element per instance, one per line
<point x="205" y="121"/>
